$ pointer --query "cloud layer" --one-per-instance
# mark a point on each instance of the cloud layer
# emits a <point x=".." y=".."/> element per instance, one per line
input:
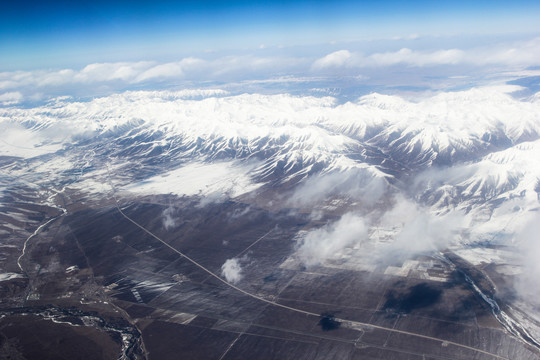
<point x="524" y="53"/>
<point x="363" y="64"/>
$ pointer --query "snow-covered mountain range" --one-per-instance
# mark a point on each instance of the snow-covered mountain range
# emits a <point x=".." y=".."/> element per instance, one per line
<point x="290" y="136"/>
<point x="468" y="151"/>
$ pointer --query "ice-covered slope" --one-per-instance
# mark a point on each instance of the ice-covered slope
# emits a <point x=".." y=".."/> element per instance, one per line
<point x="504" y="175"/>
<point x="453" y="126"/>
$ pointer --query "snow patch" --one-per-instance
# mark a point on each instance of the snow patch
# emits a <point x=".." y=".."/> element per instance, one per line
<point x="203" y="179"/>
<point x="10" y="276"/>
<point x="21" y="142"/>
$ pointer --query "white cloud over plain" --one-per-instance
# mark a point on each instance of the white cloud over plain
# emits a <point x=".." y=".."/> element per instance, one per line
<point x="328" y="242"/>
<point x="168" y="218"/>
<point x="232" y="270"/>
<point x="364" y="184"/>
<point x="418" y="230"/>
<point x="415" y="230"/>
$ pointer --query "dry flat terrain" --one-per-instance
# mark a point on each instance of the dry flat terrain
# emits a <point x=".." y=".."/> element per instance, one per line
<point x="104" y="281"/>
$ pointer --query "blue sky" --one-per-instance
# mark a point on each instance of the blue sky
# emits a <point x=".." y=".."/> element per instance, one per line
<point x="342" y="48"/>
<point x="73" y="33"/>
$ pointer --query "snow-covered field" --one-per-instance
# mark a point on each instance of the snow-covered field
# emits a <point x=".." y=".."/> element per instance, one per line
<point x="215" y="179"/>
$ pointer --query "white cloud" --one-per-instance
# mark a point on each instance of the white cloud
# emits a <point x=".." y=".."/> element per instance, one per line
<point x="161" y="71"/>
<point x="10" y="98"/>
<point x="528" y="240"/>
<point x="232" y="270"/>
<point x="103" y="72"/>
<point x="416" y="58"/>
<point x="417" y="230"/>
<point x="328" y="242"/>
<point x="100" y="76"/>
<point x="412" y="229"/>
<point x="90" y="74"/>
<point x="522" y="53"/>
<point x="405" y="56"/>
<point x="275" y="65"/>
<point x="168" y="220"/>
<point x="53" y="78"/>
<point x="339" y="58"/>
<point x="361" y="183"/>
<point x="170" y="70"/>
